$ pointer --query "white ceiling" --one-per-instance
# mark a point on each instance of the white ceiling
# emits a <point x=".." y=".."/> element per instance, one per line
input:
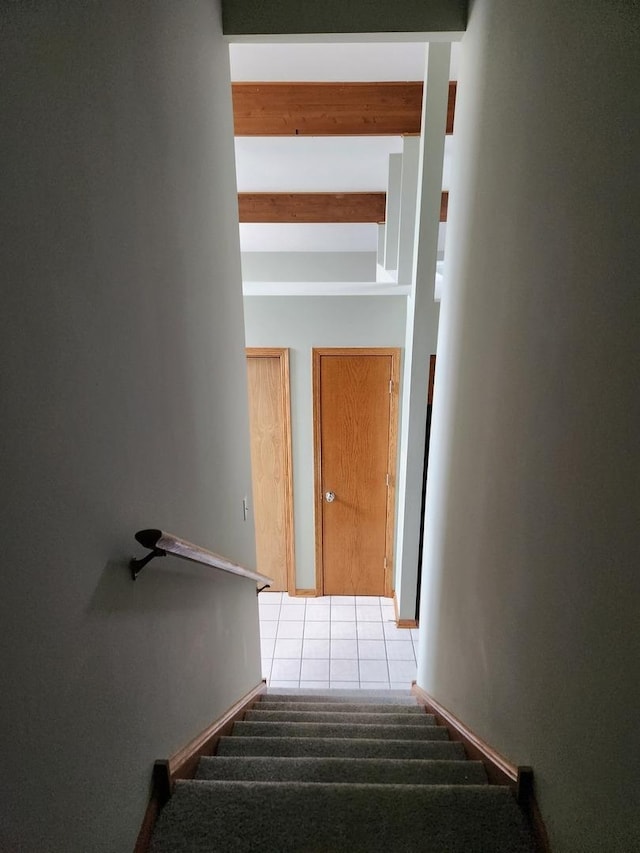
<point x="332" y="62"/>
<point x="304" y="237"/>
<point x="314" y="163"/>
<point x="322" y="164"/>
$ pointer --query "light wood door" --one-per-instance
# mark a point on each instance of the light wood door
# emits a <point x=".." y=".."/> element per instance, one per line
<point x="355" y="413"/>
<point x="270" y="426"/>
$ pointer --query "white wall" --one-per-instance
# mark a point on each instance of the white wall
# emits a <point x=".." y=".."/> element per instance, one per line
<point x="301" y="323"/>
<point x="529" y="628"/>
<point x="124" y="406"/>
<point x="309" y="266"/>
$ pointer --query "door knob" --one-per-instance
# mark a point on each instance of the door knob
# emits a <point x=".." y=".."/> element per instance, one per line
<point x="330" y="497"/>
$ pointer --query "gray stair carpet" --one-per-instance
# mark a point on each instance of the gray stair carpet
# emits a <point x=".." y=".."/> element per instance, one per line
<point x="336" y="747"/>
<point x="381" y="771"/>
<point x="305" y="716"/>
<point x="362" y="697"/>
<point x="321" y="771"/>
<point x="350" y="730"/>
<point x="340" y="707"/>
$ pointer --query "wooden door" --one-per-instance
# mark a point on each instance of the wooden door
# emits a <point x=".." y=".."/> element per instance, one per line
<point x="270" y="426"/>
<point x="355" y="416"/>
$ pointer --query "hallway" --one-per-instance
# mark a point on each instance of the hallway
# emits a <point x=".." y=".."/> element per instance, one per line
<point x="334" y="641"/>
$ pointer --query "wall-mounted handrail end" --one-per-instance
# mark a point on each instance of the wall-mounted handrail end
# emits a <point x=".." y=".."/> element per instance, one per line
<point x="260" y="588"/>
<point x="137" y="564"/>
<point x="161" y="543"/>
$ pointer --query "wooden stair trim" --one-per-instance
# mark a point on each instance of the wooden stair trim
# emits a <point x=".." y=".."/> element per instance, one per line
<point x="499" y="770"/>
<point x="183" y="763"/>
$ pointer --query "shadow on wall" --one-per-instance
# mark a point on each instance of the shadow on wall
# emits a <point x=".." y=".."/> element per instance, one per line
<point x="166" y="585"/>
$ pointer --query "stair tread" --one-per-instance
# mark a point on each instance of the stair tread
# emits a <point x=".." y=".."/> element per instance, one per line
<point x="359" y="696"/>
<point x="356" y="707"/>
<point x="352" y="730"/>
<point x="358" y="717"/>
<point x="292" y="816"/>
<point x="327" y="746"/>
<point x="339" y="769"/>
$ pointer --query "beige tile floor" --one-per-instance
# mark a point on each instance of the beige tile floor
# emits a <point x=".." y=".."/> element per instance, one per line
<point x="334" y="641"/>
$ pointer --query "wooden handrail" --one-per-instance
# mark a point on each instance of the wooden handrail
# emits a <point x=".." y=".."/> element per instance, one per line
<point x="161" y="544"/>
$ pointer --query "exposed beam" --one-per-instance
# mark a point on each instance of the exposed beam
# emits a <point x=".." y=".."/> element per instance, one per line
<point x="311" y="207"/>
<point x="331" y="109"/>
<point x="444" y="205"/>
<point x="318" y="207"/>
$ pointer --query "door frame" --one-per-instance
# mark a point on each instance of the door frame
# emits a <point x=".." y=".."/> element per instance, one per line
<point x="282" y="354"/>
<point x="317" y="353"/>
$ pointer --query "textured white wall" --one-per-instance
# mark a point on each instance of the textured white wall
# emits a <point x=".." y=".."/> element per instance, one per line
<point x="301" y="323"/>
<point x="124" y="406"/>
<point x="531" y="587"/>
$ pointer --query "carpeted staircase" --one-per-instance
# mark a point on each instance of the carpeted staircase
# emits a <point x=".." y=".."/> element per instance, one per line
<point x="314" y="772"/>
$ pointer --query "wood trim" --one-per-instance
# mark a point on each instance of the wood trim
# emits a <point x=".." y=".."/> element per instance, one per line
<point x="451" y="105"/>
<point x="312" y="207"/>
<point x="332" y="109"/>
<point x="288" y="461"/>
<point x="391" y="467"/>
<point x="183" y="763"/>
<point x="536" y="821"/>
<point x="499" y="770"/>
<point x="317" y="469"/>
<point x="282" y="353"/>
<point x="432" y="379"/>
<point x="444" y="205"/>
<point x="159" y="796"/>
<point x="402" y="623"/>
<point x="306" y="593"/>
<point x="407" y="623"/>
<point x="319" y="207"/>
<point x="317" y="353"/>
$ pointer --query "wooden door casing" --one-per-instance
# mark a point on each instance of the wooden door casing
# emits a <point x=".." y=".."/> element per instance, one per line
<point x="355" y="447"/>
<point x="272" y="484"/>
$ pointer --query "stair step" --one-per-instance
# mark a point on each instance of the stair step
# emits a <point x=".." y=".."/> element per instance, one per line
<point x="339" y="730"/>
<point x="299" y="817"/>
<point x="361" y="717"/>
<point x="352" y="707"/>
<point x="360" y="696"/>
<point x="341" y="747"/>
<point x="370" y="770"/>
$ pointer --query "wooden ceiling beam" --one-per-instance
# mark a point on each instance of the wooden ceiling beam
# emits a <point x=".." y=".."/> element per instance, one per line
<point x="331" y="109"/>
<point x="444" y="205"/>
<point x="318" y="207"/>
<point x="311" y="207"/>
